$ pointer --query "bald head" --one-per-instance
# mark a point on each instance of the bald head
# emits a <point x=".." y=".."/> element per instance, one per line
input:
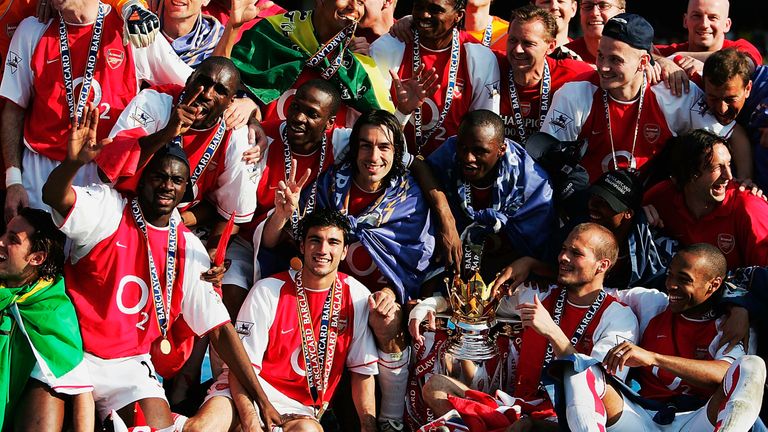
<point x="707" y="23"/>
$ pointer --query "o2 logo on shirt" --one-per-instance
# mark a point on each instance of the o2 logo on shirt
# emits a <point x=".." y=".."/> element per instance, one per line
<point x="434" y="117"/>
<point x="130" y="283"/>
<point x="104" y="107"/>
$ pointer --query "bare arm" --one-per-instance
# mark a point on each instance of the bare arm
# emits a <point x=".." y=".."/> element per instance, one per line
<point x="741" y="149"/>
<point x="10" y="139"/>
<point x="240" y="12"/>
<point x="225" y="341"/>
<point x="364" y="397"/>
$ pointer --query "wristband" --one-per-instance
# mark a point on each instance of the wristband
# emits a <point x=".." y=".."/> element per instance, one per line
<point x="12" y="176"/>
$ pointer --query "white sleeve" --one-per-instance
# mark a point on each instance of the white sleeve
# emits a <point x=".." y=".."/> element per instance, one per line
<point x="362" y="358"/>
<point x="159" y="64"/>
<point x="17" y="76"/>
<point x="388" y="53"/>
<point x="483" y="70"/>
<point x="201" y="306"/>
<point x="148" y="110"/>
<point x="571" y="106"/>
<point x="522" y="294"/>
<point x="236" y="188"/>
<point x="688" y="111"/>
<point x="95" y="216"/>
<point x="719" y="354"/>
<point x="617" y="324"/>
<point x="646" y="303"/>
<point x="256" y="317"/>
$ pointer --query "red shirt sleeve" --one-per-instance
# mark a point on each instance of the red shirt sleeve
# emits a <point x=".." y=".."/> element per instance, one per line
<point x="747" y="48"/>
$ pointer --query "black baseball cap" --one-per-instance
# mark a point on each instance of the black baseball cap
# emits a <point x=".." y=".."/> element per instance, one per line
<point x="631" y="29"/>
<point x="621" y="189"/>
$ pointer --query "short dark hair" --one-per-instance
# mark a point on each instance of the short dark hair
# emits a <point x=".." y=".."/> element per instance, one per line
<point x="389" y="122"/>
<point x="222" y="63"/>
<point x="483" y="118"/>
<point x="530" y="12"/>
<point x="690" y="153"/>
<point x="714" y="261"/>
<point x="326" y="87"/>
<point x="606" y="246"/>
<point x="48" y="239"/>
<point x="325" y="217"/>
<point x="725" y="64"/>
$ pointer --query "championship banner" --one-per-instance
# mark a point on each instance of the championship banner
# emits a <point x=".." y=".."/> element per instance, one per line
<point x="272" y="55"/>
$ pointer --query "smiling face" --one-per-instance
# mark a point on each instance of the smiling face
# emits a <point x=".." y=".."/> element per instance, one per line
<point x="562" y="10"/>
<point x="219" y="86"/>
<point x="181" y="9"/>
<point x="600" y="212"/>
<point x="689" y="282"/>
<point x="726" y="101"/>
<point x="528" y="45"/>
<point x="308" y="117"/>
<point x="435" y="20"/>
<point x="707" y="23"/>
<point x="619" y="64"/>
<point x="340" y="12"/>
<point x="711" y="183"/>
<point x="594" y="15"/>
<point x="578" y="264"/>
<point x="323" y="249"/>
<point x="375" y="155"/>
<point x="162" y="187"/>
<point x="16" y="261"/>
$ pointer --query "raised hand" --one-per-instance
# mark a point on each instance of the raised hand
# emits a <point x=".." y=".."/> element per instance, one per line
<point x="83" y="146"/>
<point x="411" y="93"/>
<point x="242" y="11"/>
<point x="183" y="114"/>
<point x="288" y="192"/>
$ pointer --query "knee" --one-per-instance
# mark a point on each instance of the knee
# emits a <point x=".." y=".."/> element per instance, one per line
<point x="303" y="426"/>
<point x="436" y="387"/>
<point x="753" y="368"/>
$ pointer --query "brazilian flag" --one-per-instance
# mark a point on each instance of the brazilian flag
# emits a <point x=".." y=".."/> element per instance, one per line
<point x="38" y="324"/>
<point x="272" y="54"/>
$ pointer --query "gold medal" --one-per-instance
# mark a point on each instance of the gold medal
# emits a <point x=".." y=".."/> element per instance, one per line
<point x="296" y="263"/>
<point x="165" y="346"/>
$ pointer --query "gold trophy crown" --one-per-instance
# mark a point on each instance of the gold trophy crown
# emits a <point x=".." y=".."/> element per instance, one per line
<point x="472" y="301"/>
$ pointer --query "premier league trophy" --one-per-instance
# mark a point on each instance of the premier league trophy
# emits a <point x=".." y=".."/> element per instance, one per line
<point x="474" y="309"/>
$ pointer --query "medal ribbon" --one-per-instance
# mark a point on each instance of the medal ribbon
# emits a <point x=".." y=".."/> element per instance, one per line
<point x="76" y="111"/>
<point x="341" y="40"/>
<point x="632" y="161"/>
<point x="423" y="137"/>
<point x="558" y="313"/>
<point x="488" y="34"/>
<point x="546" y="84"/>
<point x="310" y="207"/>
<point x="202" y="164"/>
<point x="318" y="353"/>
<point x="170" y="268"/>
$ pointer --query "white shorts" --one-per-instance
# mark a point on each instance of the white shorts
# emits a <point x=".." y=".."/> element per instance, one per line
<point x="282" y="403"/>
<point x="76" y="381"/>
<point x="119" y="382"/>
<point x="240" y="272"/>
<point x="636" y="418"/>
<point x="35" y="171"/>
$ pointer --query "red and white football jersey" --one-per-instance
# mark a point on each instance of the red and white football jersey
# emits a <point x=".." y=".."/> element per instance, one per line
<point x="612" y="324"/>
<point x="107" y="276"/>
<point x="740" y="44"/>
<point x="227" y="181"/>
<point x="738" y="226"/>
<point x="268" y="323"/>
<point x="477" y="83"/>
<point x="579" y="46"/>
<point x="672" y="334"/>
<point x="271" y="168"/>
<point x="578" y="112"/>
<point x="561" y="72"/>
<point x="34" y="79"/>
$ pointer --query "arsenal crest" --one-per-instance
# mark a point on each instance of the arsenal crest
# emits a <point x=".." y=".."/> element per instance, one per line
<point x="115" y="58"/>
<point x="726" y="242"/>
<point x="525" y="108"/>
<point x="651" y="132"/>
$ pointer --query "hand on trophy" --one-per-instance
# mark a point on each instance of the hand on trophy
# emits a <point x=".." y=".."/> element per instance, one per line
<point x="425" y="310"/>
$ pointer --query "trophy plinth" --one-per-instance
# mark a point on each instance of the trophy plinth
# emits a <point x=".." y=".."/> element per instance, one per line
<point x="472" y="341"/>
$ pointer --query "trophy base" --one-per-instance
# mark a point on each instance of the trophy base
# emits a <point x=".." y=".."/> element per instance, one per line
<point x="472" y="341"/>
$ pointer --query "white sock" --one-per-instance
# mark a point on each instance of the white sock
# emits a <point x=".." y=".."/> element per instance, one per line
<point x="585" y="410"/>
<point x="743" y="387"/>
<point x="393" y="380"/>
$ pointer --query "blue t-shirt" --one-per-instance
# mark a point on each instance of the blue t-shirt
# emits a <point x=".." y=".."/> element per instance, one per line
<point x="754" y="115"/>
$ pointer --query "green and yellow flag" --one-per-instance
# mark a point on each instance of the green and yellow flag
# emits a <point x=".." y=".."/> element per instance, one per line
<point x="272" y="54"/>
<point x="37" y="323"/>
